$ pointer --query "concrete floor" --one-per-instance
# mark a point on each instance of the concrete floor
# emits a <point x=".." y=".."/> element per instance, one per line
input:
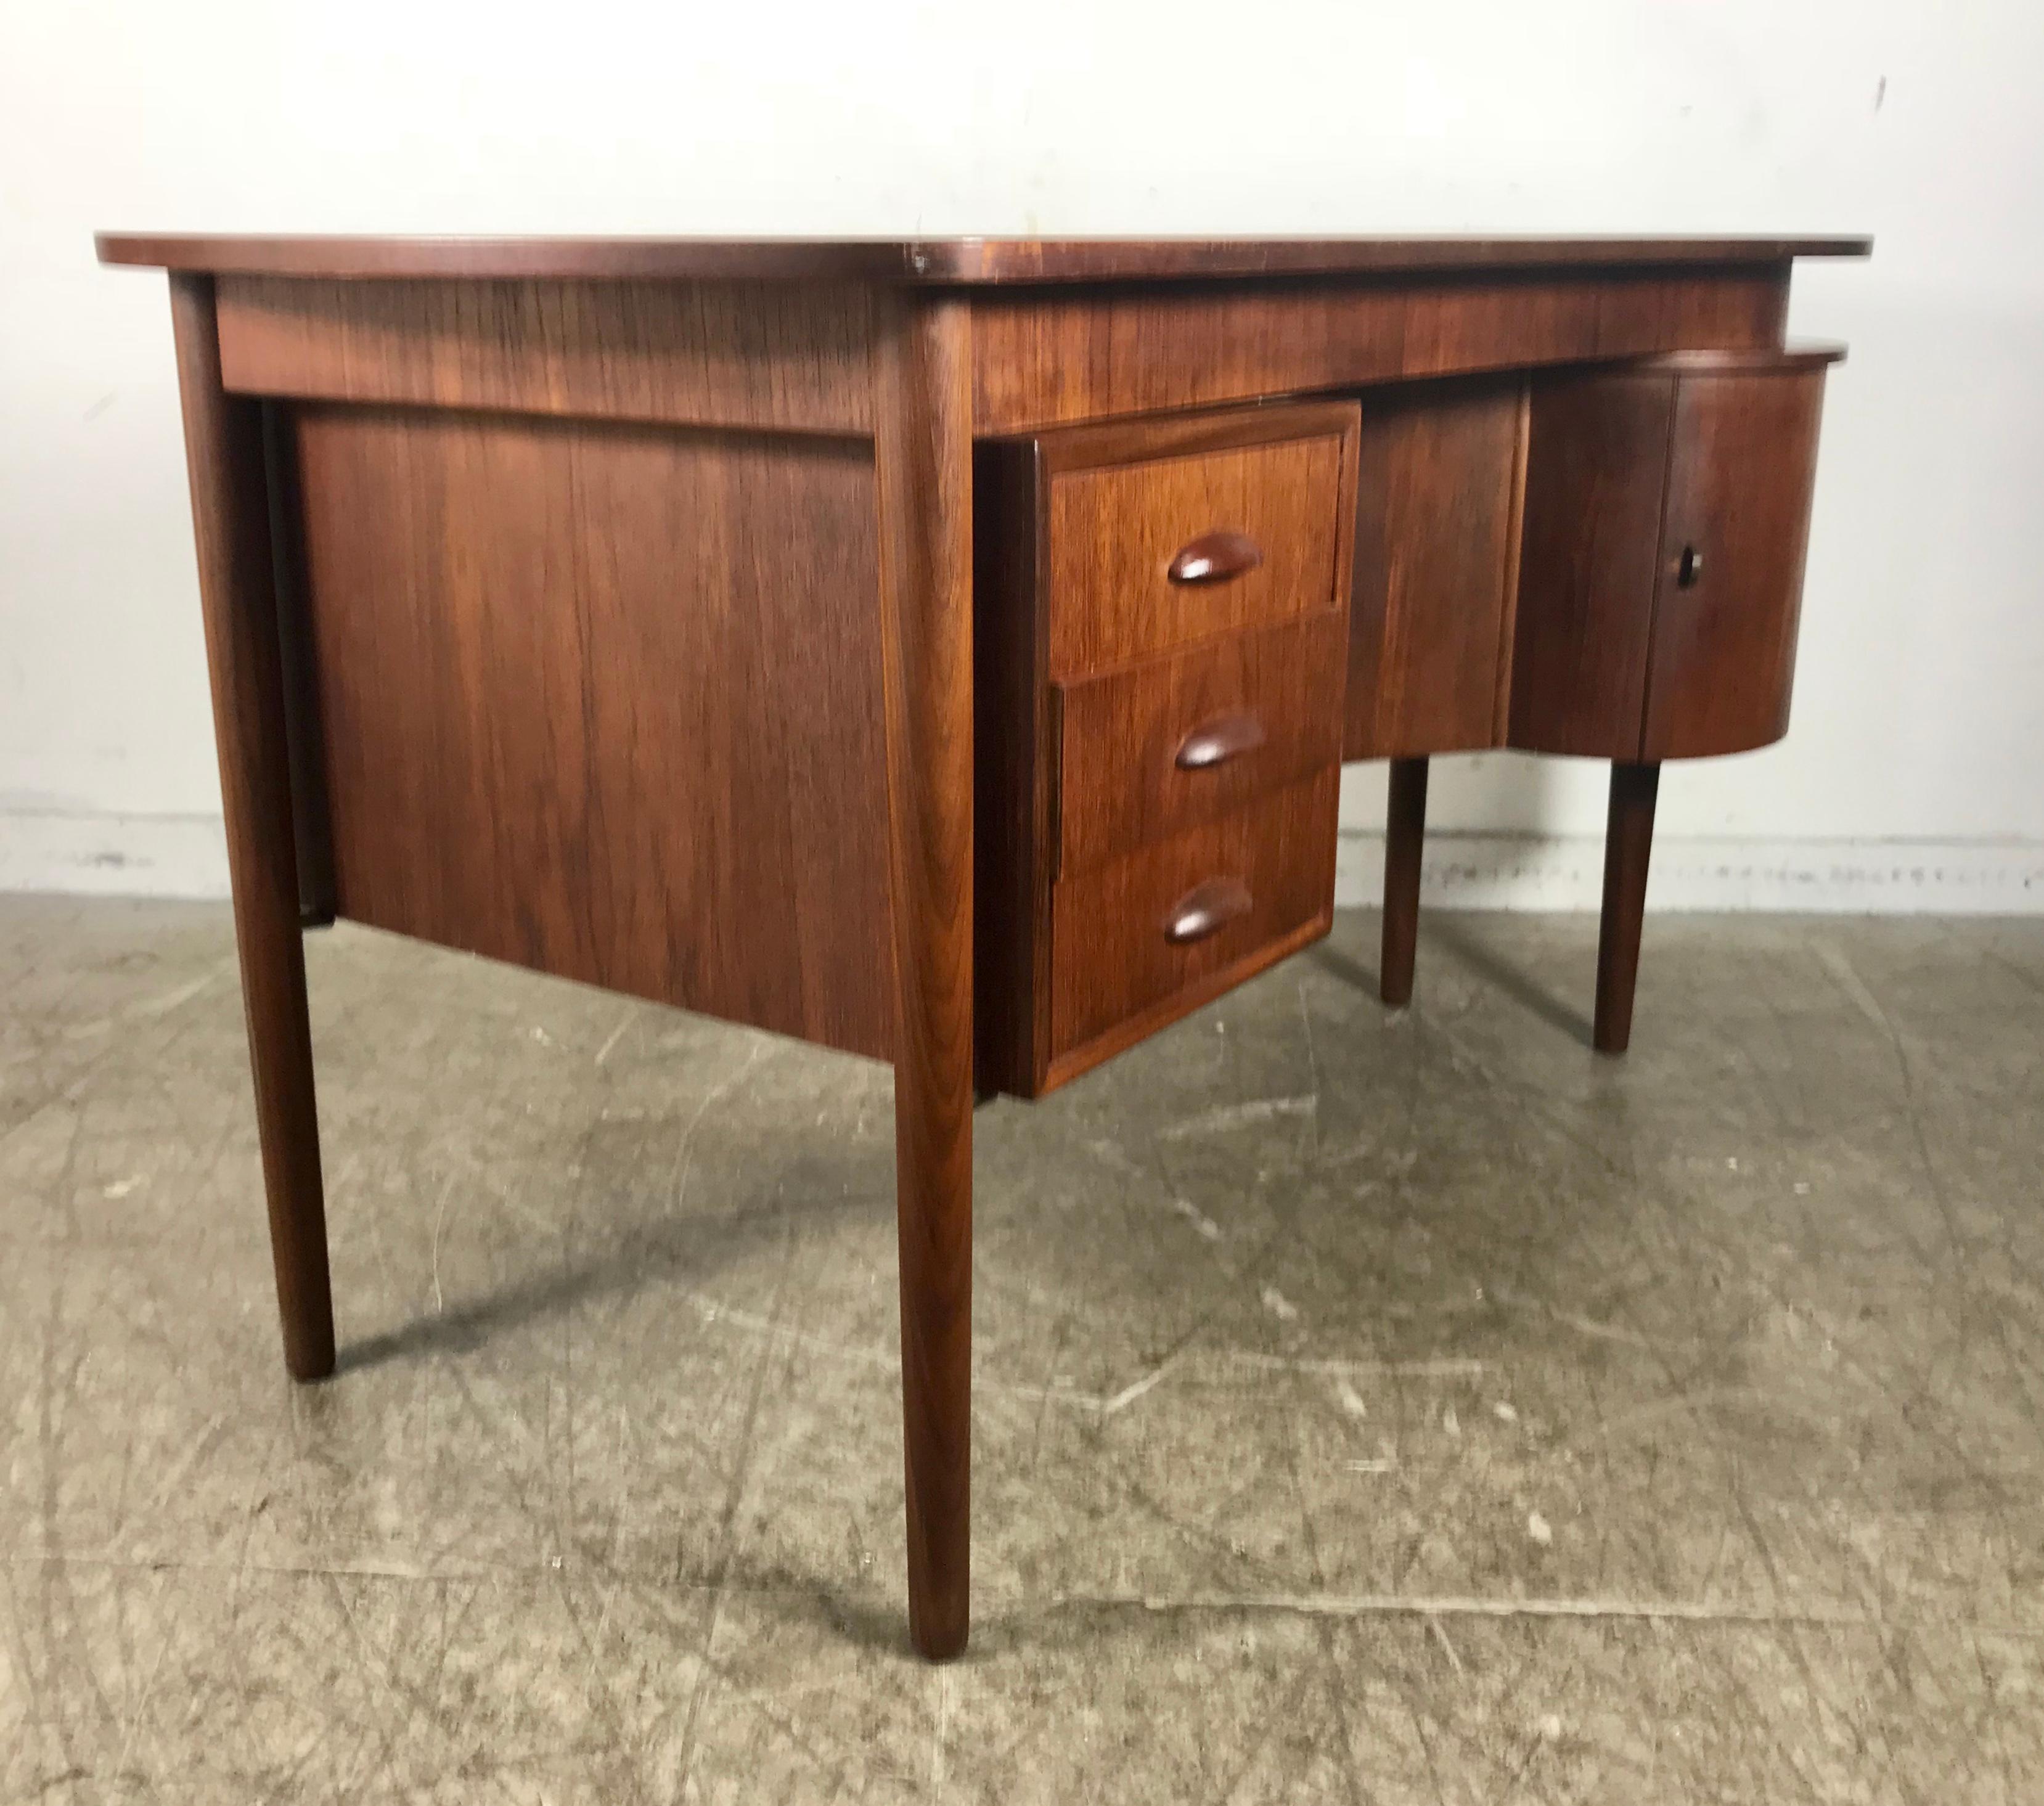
<point x="1370" y="1408"/>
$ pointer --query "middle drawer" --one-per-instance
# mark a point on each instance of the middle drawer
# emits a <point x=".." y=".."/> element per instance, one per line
<point x="1148" y="751"/>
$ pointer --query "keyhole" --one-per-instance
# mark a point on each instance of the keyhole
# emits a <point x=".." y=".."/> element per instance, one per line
<point x="1689" y="567"/>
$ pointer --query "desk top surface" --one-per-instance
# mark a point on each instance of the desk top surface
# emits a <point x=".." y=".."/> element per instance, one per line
<point x="976" y="261"/>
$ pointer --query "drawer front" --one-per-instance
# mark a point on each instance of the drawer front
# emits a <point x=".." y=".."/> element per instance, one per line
<point x="1742" y="465"/>
<point x="1152" y="750"/>
<point x="1146" y="556"/>
<point x="1148" y="936"/>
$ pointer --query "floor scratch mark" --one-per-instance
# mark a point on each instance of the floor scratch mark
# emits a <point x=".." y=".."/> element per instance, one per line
<point x="1226" y="1118"/>
<point x="1365" y="1605"/>
<point x="439" y="1220"/>
<point x="617" y="1034"/>
<point x="1440" y="1634"/>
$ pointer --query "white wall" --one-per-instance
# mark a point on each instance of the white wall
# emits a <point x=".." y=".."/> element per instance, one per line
<point x="1912" y="777"/>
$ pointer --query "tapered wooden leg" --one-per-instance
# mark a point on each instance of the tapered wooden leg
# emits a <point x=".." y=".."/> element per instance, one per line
<point x="922" y="432"/>
<point x="230" y="522"/>
<point x="1404" y="836"/>
<point x="1627" y="844"/>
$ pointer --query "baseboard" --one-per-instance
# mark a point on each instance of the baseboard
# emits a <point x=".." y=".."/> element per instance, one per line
<point x="1880" y="877"/>
<point x="186" y="855"/>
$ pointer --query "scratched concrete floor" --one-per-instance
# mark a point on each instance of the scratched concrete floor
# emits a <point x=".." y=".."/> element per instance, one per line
<point x="1370" y="1408"/>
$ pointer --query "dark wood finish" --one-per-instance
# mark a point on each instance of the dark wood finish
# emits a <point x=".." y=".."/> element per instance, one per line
<point x="311" y="816"/>
<point x="923" y="387"/>
<point x="1741" y="473"/>
<point x="705" y="354"/>
<point x="1017" y="735"/>
<point x="1627" y="846"/>
<point x="1081" y="772"/>
<point x="1437" y="499"/>
<point x="1150" y="750"/>
<point x="1112" y="956"/>
<point x="1508" y="634"/>
<point x="1595" y="476"/>
<point x="1075" y="354"/>
<point x="1404" y="842"/>
<point x="624" y="594"/>
<point x="237" y="593"/>
<point x="964" y="260"/>
<point x="1667" y="507"/>
<point x="606" y="701"/>
<point x="1196" y="995"/>
<point x="1803" y="357"/>
<point x="1120" y="523"/>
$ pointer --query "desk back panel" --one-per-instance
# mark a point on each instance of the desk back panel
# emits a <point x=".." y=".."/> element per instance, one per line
<point x="605" y="700"/>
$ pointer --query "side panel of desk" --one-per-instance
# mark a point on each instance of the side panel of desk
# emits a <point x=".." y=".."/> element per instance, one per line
<point x="590" y="585"/>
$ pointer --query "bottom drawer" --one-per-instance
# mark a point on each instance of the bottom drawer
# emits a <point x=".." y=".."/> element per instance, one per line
<point x="1145" y="938"/>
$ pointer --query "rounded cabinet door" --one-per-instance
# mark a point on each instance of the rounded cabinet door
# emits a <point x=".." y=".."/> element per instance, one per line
<point x="1743" y="454"/>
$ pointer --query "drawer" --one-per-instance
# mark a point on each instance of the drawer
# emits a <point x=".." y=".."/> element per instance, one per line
<point x="1095" y="671"/>
<point x="1143" y="939"/>
<point x="1154" y="549"/>
<point x="1149" y="751"/>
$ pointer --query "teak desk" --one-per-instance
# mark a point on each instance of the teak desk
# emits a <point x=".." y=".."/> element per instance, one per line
<point x="947" y="651"/>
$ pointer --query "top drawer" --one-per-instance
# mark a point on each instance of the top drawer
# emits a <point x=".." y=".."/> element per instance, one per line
<point x="1162" y="533"/>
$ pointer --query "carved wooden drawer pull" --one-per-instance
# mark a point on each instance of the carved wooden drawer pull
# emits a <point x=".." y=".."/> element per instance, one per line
<point x="1214" y="558"/>
<point x="1206" y="909"/>
<point x="1216" y="742"/>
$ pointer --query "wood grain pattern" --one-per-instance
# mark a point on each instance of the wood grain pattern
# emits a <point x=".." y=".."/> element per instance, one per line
<point x="923" y="451"/>
<point x="1614" y="656"/>
<point x="1120" y="783"/>
<point x="1740" y="476"/>
<point x="1595" y="476"/>
<point x="1196" y="995"/>
<point x="606" y="701"/>
<point x="939" y="260"/>
<point x="1628" y="846"/>
<point x="1081" y="353"/>
<point x="1436" y="548"/>
<point x="1028" y="767"/>
<point x="224" y="450"/>
<point x="691" y="714"/>
<point x="1115" y="531"/>
<point x="1111" y="960"/>
<point x="783" y="356"/>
